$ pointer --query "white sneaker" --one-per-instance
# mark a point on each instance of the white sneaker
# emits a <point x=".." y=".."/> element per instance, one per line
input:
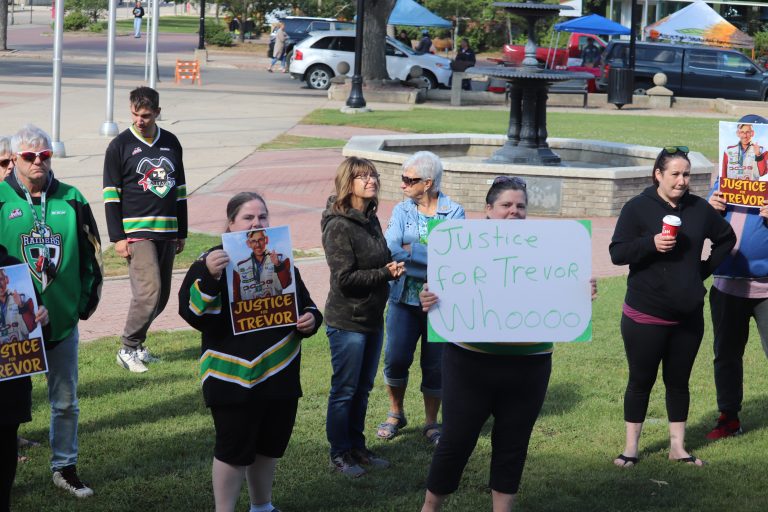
<point x="130" y="359"/>
<point x="66" y="478"/>
<point x="145" y="356"/>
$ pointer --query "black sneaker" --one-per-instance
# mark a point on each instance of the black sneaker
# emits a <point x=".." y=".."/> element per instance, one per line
<point x="346" y="465"/>
<point x="67" y="479"/>
<point x="367" y="458"/>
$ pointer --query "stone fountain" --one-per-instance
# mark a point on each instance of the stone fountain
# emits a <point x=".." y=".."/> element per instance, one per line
<point x="528" y="86"/>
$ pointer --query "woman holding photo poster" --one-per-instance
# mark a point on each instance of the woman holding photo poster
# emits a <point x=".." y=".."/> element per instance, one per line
<point x="478" y="382"/>
<point x="15" y="394"/>
<point x="361" y="269"/>
<point x="253" y="405"/>
<point x="662" y="320"/>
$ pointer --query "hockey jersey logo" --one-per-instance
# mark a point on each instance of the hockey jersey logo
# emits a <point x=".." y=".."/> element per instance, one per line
<point x="33" y="248"/>
<point x="156" y="175"/>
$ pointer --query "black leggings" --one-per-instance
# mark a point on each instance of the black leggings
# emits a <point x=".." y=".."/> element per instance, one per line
<point x="476" y="386"/>
<point x="9" y="452"/>
<point x="647" y="346"/>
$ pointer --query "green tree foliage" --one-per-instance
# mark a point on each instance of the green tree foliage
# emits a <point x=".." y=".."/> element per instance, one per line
<point x="76" y="20"/>
<point x="94" y="9"/>
<point x="216" y="34"/>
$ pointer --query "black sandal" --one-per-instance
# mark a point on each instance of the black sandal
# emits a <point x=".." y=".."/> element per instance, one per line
<point x="387" y="430"/>
<point x="434" y="437"/>
<point x="628" y="462"/>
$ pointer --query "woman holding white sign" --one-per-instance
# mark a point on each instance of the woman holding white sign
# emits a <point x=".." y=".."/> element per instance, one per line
<point x="361" y="268"/>
<point x="16" y="393"/>
<point x="251" y="380"/>
<point x="660" y="234"/>
<point x="407" y="240"/>
<point x="478" y="382"/>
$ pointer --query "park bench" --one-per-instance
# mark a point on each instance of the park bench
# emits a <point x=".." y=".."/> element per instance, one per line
<point x="575" y="86"/>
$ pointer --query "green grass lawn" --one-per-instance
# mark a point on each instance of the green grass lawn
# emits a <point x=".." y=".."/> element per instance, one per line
<point x="146" y="440"/>
<point x="285" y="141"/>
<point x="174" y="24"/>
<point x="700" y="134"/>
<point x="115" y="265"/>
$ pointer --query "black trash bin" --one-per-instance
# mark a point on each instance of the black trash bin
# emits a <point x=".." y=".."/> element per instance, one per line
<point x="621" y="85"/>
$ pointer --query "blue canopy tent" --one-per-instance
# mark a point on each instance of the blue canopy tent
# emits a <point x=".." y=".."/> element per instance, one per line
<point x="591" y="24"/>
<point x="409" y="13"/>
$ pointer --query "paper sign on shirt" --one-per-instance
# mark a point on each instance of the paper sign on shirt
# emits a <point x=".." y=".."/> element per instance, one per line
<point x="510" y="281"/>
<point x="22" y="351"/>
<point x="260" y="279"/>
<point x="743" y="163"/>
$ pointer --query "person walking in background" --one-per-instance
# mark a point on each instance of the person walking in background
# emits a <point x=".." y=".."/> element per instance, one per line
<point x="138" y="15"/>
<point x="49" y="225"/>
<point x="250" y="381"/>
<point x="145" y="202"/>
<point x="738" y="294"/>
<point x="406" y="323"/>
<point x="465" y="58"/>
<point x="403" y="38"/>
<point x="663" y="311"/>
<point x="278" y="53"/>
<point x="425" y="43"/>
<point x="15" y="394"/>
<point x="6" y="158"/>
<point x="361" y="267"/>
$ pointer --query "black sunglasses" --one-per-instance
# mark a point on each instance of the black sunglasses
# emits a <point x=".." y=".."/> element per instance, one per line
<point x="5" y="163"/>
<point x="409" y="181"/>
<point x="674" y="149"/>
<point x="500" y="180"/>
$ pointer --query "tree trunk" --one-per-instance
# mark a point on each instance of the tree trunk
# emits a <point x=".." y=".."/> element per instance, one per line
<point x="3" y="25"/>
<point x="374" y="38"/>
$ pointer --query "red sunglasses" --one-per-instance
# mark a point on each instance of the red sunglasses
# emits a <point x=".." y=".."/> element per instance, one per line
<point x="31" y="156"/>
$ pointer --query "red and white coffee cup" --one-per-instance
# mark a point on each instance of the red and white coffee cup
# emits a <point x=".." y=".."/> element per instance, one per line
<point x="669" y="225"/>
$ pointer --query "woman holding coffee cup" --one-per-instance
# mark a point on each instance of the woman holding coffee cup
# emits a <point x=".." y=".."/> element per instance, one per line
<point x="660" y="234"/>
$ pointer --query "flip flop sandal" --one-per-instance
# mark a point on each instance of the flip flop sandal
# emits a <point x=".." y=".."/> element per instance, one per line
<point x="387" y="430"/>
<point x="691" y="460"/>
<point x="628" y="461"/>
<point x="434" y="437"/>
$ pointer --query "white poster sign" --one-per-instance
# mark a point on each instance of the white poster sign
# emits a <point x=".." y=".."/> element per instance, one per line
<point x="571" y="13"/>
<point x="510" y="281"/>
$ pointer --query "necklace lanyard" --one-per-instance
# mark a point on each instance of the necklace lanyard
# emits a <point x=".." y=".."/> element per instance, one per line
<point x="40" y="225"/>
<point x="742" y="153"/>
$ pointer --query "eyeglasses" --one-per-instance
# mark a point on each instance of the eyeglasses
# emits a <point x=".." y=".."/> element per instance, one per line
<point x="409" y="182"/>
<point x="374" y="176"/>
<point x="500" y="180"/>
<point x="259" y="241"/>
<point x="5" y="163"/>
<point x="31" y="156"/>
<point x="674" y="149"/>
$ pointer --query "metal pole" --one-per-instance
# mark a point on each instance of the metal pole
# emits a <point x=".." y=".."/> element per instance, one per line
<point x="153" y="45"/>
<point x="109" y="127"/>
<point x="632" y="34"/>
<point x="201" y="42"/>
<point x="58" y="146"/>
<point x="149" y="36"/>
<point x="356" y="99"/>
<point x="12" y="11"/>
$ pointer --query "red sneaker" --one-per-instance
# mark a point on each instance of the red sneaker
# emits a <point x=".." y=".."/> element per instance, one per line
<point x="725" y="427"/>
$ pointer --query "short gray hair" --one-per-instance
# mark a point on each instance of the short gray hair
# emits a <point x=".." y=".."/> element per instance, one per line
<point x="427" y="165"/>
<point x="32" y="137"/>
<point x="5" y="145"/>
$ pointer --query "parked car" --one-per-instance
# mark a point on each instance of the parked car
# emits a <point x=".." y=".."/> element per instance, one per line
<point x="297" y="28"/>
<point x="695" y="71"/>
<point x="316" y="60"/>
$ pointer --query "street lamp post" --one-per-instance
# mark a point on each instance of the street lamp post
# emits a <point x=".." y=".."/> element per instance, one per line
<point x="201" y="31"/>
<point x="356" y="99"/>
<point x="58" y="40"/>
<point x="109" y="127"/>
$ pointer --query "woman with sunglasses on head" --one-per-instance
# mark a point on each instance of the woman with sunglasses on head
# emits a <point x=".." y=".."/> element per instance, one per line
<point x="250" y="381"/>
<point x="361" y="269"/>
<point x="505" y="380"/>
<point x="406" y="238"/>
<point x="662" y="320"/>
<point x="6" y="158"/>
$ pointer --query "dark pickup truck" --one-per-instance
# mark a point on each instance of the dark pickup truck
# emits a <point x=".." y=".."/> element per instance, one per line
<point x="693" y="71"/>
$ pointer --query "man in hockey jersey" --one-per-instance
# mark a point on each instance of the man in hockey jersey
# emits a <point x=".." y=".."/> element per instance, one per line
<point x="264" y="273"/>
<point x="145" y="201"/>
<point x="17" y="316"/>
<point x="49" y="225"/>
<point x="744" y="160"/>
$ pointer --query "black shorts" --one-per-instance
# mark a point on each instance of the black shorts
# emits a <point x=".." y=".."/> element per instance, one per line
<point x="262" y="428"/>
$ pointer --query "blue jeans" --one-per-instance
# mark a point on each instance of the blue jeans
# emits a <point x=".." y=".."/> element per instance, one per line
<point x="405" y="325"/>
<point x="355" y="359"/>
<point x="62" y="394"/>
<point x="137" y="27"/>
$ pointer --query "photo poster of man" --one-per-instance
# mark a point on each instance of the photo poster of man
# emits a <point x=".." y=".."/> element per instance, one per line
<point x="743" y="163"/>
<point x="260" y="279"/>
<point x="22" y="351"/>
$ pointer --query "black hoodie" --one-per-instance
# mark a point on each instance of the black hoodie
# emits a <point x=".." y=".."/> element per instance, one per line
<point x="357" y="254"/>
<point x="668" y="285"/>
